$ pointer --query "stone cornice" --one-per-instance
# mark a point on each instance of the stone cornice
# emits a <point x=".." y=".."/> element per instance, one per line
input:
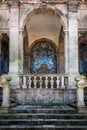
<point x="73" y="5"/>
<point x="18" y="2"/>
<point x="40" y="1"/>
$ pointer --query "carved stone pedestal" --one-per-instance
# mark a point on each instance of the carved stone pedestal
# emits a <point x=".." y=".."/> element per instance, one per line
<point x="4" y="83"/>
<point x="81" y="84"/>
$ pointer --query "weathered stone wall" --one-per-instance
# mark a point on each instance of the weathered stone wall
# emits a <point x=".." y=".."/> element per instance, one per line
<point x="43" y="19"/>
<point x="43" y="96"/>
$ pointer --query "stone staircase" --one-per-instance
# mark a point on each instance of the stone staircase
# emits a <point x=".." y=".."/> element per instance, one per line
<point x="29" y="117"/>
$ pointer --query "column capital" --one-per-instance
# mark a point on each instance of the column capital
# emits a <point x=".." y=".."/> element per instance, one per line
<point x="21" y="30"/>
<point x="73" y="5"/>
<point x="66" y="31"/>
<point x="0" y="36"/>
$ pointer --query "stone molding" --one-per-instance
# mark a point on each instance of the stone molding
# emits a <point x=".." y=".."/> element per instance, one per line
<point x="12" y="2"/>
<point x="73" y="6"/>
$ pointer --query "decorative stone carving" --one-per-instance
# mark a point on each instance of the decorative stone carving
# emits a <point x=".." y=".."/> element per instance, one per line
<point x="73" y="5"/>
<point x="81" y="84"/>
<point x="55" y="1"/>
<point x="81" y="80"/>
<point x="4" y="80"/>
<point x="3" y="1"/>
<point x="4" y="83"/>
<point x="3" y="20"/>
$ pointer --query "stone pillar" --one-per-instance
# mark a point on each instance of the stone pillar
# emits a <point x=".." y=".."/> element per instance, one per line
<point x="6" y="96"/>
<point x="21" y="52"/>
<point x="66" y="51"/>
<point x="29" y="64"/>
<point x="14" y="45"/>
<point x="0" y="56"/>
<point x="14" y="39"/>
<point x="5" y="84"/>
<point x="73" y="42"/>
<point x="81" y="84"/>
<point x="80" y="96"/>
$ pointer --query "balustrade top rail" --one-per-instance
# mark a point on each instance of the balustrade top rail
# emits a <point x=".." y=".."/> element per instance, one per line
<point x="52" y="81"/>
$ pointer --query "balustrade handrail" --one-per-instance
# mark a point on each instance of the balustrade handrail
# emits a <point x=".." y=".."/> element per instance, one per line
<point x="24" y="74"/>
<point x="43" y="81"/>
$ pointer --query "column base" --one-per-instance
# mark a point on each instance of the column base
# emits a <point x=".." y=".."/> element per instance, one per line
<point x="4" y="109"/>
<point x="82" y="109"/>
<point x="15" y="80"/>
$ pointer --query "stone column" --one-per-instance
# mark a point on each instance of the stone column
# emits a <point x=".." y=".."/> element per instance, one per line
<point x="29" y="64"/>
<point x="14" y="39"/>
<point x="6" y="96"/>
<point x="66" y="51"/>
<point x="73" y="42"/>
<point x="0" y="55"/>
<point x="21" y="52"/>
<point x="14" y="44"/>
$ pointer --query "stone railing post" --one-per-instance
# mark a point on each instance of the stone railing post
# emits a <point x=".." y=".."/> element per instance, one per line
<point x="4" y="83"/>
<point x="81" y="84"/>
<point x="6" y="96"/>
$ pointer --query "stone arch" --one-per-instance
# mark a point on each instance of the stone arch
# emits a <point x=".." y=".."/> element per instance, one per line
<point x="42" y="39"/>
<point x="43" y="10"/>
<point x="54" y="13"/>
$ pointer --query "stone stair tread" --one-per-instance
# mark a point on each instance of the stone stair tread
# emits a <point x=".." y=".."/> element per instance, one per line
<point x="59" y="120"/>
<point x="64" y="114"/>
<point x="43" y="126"/>
<point x="46" y="118"/>
<point x="43" y="108"/>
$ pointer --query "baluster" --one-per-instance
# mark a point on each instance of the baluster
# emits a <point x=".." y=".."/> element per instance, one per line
<point x="40" y="82"/>
<point x="35" y="81"/>
<point x="52" y="81"/>
<point x="20" y="81"/>
<point x="46" y="81"/>
<point x="66" y="82"/>
<point x="24" y="82"/>
<point x="58" y="81"/>
<point x="29" y="81"/>
<point x="62" y="82"/>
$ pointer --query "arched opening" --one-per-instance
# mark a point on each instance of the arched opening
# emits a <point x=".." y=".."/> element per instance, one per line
<point x="43" y="24"/>
<point x="83" y="56"/>
<point x="4" y="54"/>
<point x="43" y="57"/>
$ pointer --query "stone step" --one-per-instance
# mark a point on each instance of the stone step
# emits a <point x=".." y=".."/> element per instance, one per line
<point x="42" y="116"/>
<point x="43" y="109"/>
<point x="44" y="127"/>
<point x="43" y="122"/>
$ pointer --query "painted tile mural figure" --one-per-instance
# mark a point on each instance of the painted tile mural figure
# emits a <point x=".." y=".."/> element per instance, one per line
<point x="43" y="54"/>
<point x="83" y="58"/>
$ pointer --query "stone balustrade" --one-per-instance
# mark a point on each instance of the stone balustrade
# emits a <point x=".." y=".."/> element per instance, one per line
<point x="43" y="81"/>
